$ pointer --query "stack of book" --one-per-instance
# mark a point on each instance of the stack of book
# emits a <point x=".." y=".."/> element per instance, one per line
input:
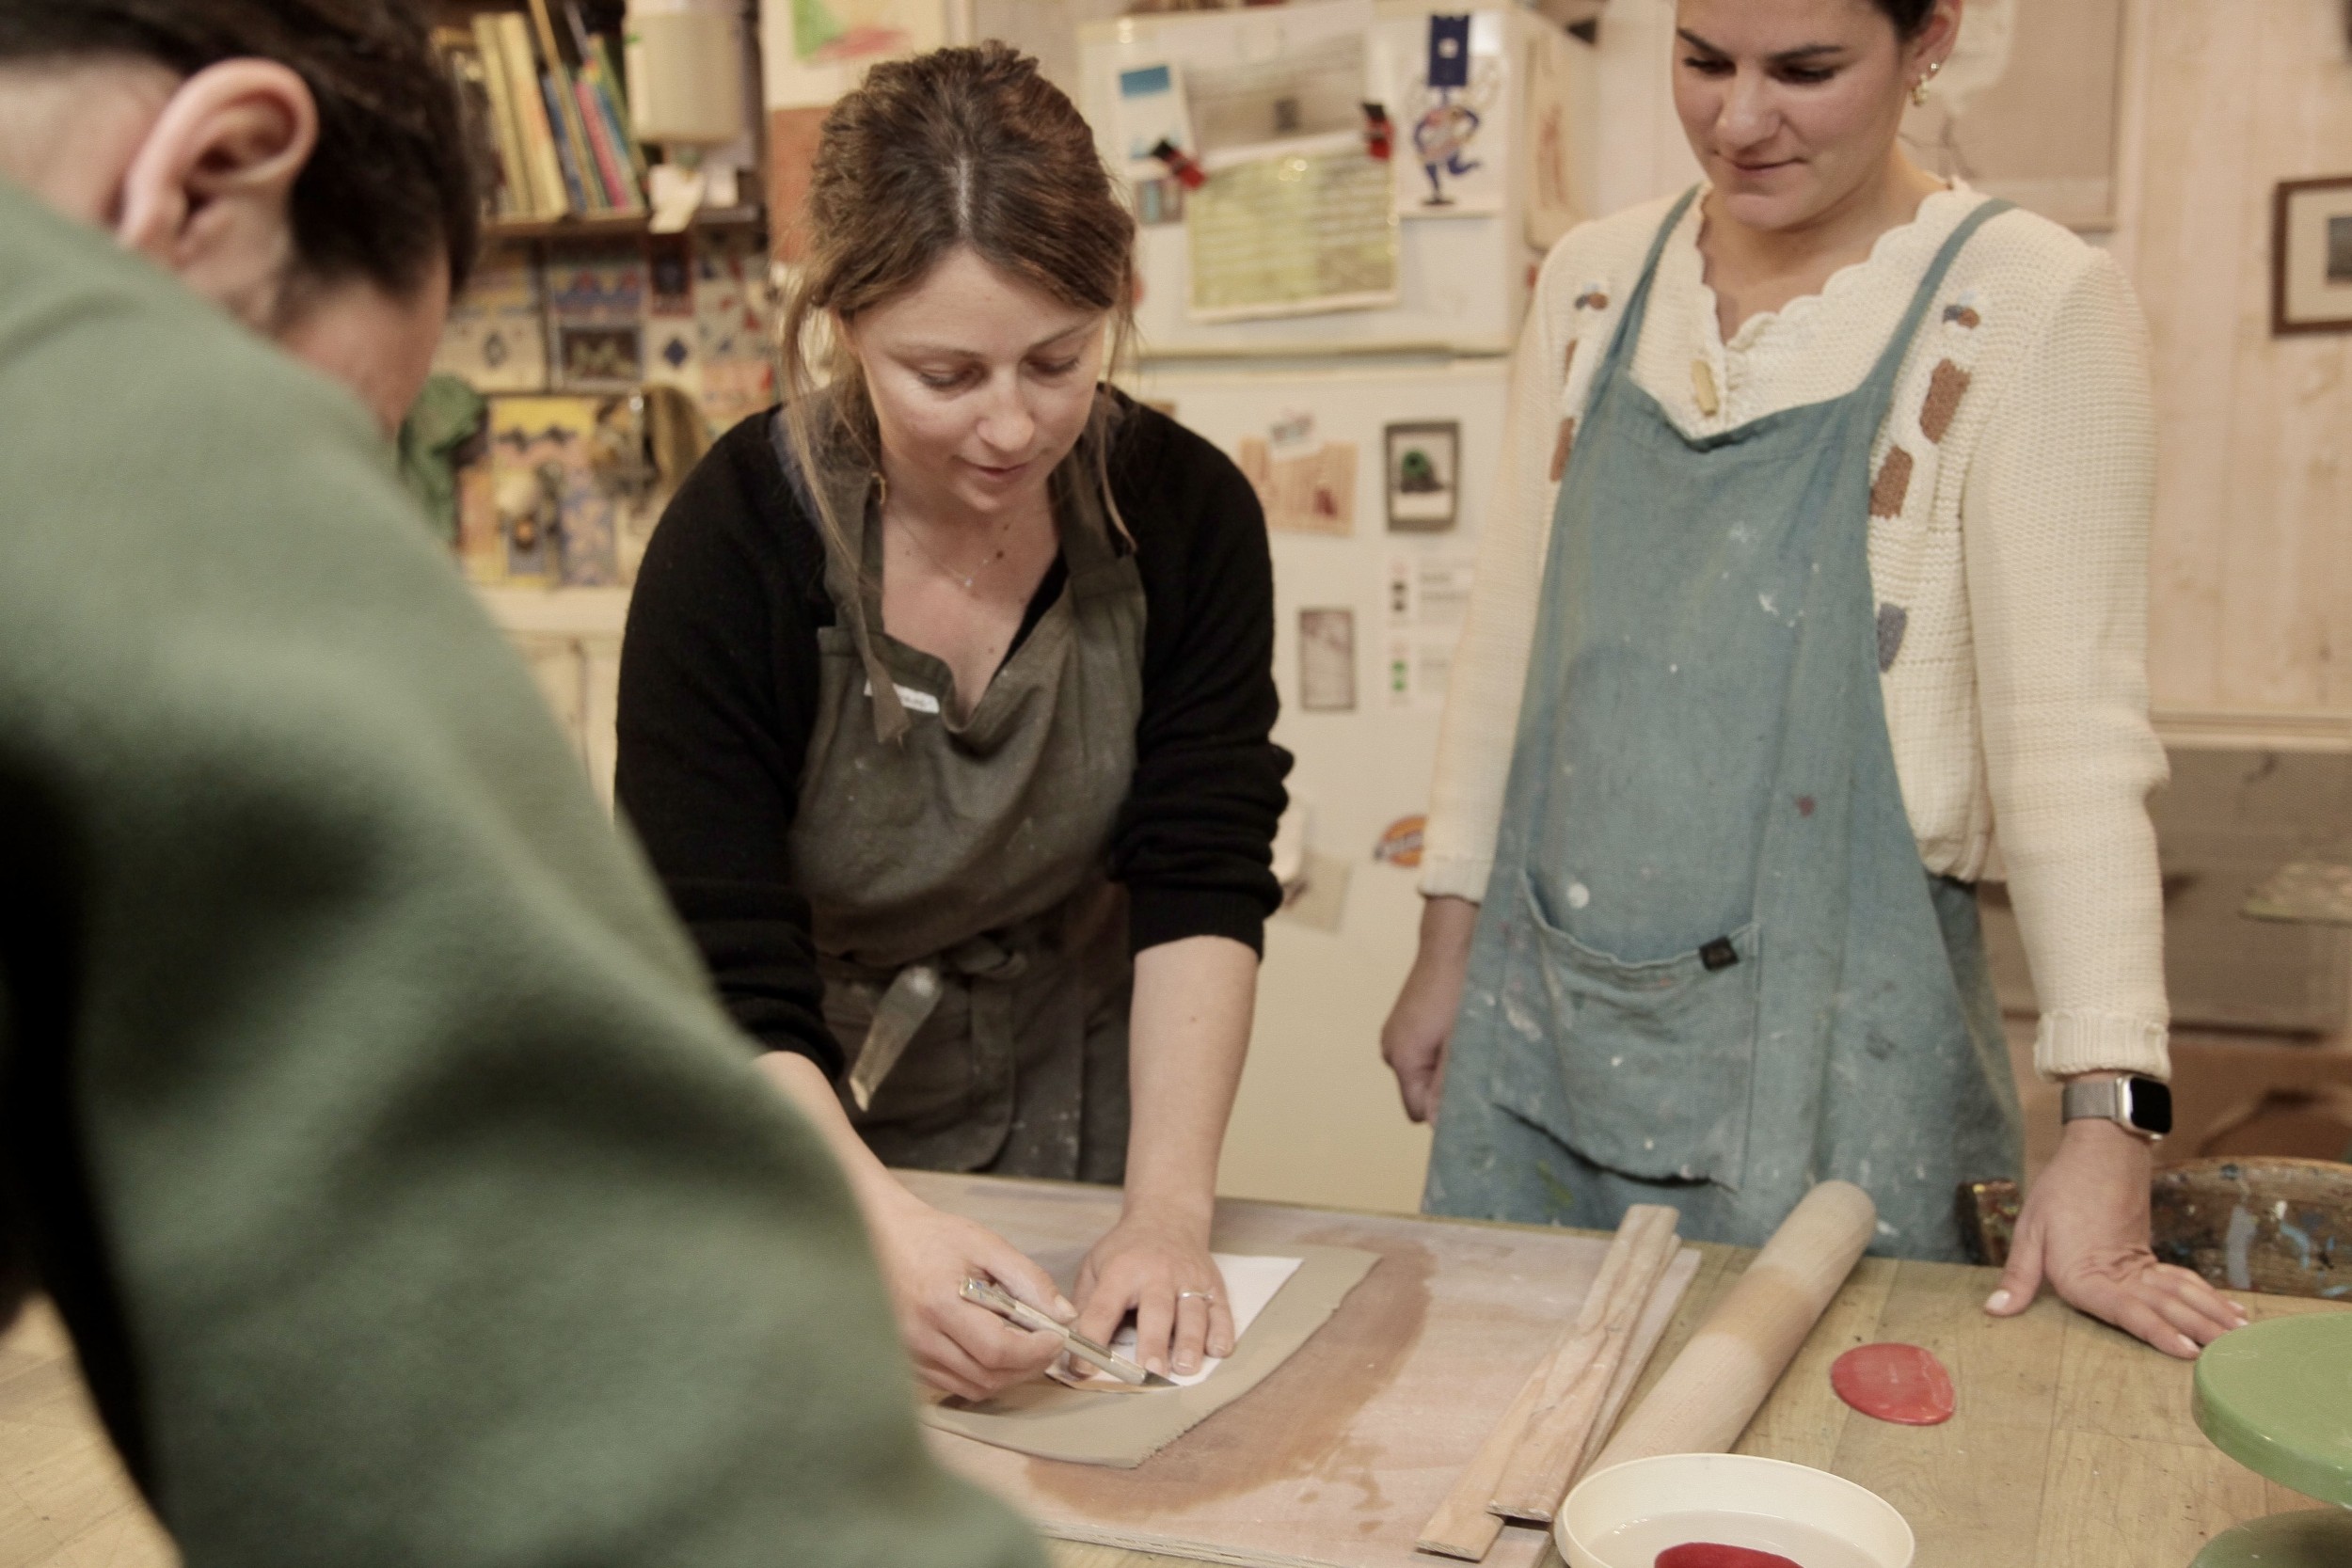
<point x="556" y="112"/>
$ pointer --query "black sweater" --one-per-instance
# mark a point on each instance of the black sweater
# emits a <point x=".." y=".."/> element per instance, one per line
<point x="719" y="695"/>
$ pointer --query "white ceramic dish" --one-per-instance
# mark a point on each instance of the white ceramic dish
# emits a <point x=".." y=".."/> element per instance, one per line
<point x="1619" y="1518"/>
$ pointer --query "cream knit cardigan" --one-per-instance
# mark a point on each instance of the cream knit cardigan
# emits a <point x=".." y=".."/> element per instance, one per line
<point x="2009" y="556"/>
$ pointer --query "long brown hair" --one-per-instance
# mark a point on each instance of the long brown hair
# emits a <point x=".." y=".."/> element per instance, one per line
<point x="959" y="147"/>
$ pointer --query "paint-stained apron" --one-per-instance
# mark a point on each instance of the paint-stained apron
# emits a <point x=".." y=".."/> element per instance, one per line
<point x="1710" y="969"/>
<point x="972" y="947"/>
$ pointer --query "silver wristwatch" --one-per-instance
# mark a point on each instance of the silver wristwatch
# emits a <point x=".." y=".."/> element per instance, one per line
<point x="2141" y="1106"/>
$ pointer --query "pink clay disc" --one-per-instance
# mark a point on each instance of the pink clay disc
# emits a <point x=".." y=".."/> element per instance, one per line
<point x="1902" y="1383"/>
<point x="1707" y="1554"/>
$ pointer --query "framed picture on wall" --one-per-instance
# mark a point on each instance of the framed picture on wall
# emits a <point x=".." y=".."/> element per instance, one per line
<point x="2311" y="256"/>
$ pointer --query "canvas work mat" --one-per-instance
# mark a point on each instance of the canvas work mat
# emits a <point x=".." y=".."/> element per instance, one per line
<point x="1338" y="1454"/>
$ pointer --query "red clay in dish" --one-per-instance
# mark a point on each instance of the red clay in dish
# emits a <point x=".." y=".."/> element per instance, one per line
<point x="1707" y="1554"/>
<point x="1902" y="1383"/>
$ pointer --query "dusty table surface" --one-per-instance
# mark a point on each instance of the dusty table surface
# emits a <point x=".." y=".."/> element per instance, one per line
<point x="2073" y="1448"/>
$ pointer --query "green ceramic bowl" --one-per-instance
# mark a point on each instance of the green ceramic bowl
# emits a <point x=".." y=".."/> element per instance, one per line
<point x="2277" y="1397"/>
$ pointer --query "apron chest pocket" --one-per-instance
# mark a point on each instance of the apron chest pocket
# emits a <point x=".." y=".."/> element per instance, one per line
<point x="1655" y="1060"/>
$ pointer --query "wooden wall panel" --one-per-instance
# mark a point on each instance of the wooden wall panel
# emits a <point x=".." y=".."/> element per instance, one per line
<point x="2251" y="570"/>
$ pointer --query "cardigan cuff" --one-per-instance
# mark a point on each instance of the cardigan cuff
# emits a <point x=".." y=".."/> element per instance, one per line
<point x="1455" y="877"/>
<point x="1164" y="914"/>
<point x="2076" y="1039"/>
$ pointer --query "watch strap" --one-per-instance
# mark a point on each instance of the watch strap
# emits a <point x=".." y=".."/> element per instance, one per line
<point x="2092" y="1099"/>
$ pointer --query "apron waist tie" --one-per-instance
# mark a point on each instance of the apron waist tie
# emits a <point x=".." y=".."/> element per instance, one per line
<point x="913" y="994"/>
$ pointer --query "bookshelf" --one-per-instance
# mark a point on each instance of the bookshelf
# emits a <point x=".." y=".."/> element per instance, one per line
<point x="574" y="170"/>
<point x="613" y="226"/>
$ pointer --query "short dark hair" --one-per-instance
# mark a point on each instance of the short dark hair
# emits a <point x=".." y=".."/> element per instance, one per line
<point x="1908" y="16"/>
<point x="391" y="186"/>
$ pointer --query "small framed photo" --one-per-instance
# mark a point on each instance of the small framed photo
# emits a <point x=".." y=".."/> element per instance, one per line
<point x="1424" y="464"/>
<point x="2311" y="256"/>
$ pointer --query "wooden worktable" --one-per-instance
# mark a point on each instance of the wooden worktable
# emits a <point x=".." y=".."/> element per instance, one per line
<point x="2073" y="1449"/>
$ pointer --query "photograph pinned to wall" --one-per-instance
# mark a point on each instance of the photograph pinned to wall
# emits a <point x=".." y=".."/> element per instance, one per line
<point x="1150" y="111"/>
<point x="1455" y="122"/>
<point x="1159" y="202"/>
<point x="2311" y="256"/>
<point x="845" y="32"/>
<point x="1327" y="660"/>
<point x="1423" y="468"/>
<point x="1305" y="485"/>
<point x="556" y="517"/>
<point x="2026" y="108"/>
<point x="496" y="340"/>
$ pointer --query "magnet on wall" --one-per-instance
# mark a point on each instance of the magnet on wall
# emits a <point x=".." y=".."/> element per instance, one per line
<point x="1400" y="842"/>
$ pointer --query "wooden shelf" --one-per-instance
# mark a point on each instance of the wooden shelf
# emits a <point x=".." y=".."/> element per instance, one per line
<point x="613" y="225"/>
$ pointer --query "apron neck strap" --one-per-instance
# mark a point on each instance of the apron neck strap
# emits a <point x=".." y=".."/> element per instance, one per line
<point x="1629" y="336"/>
<point x="1891" y="359"/>
<point x="849" y="577"/>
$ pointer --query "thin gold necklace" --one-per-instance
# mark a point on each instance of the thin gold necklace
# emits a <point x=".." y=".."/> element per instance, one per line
<point x="963" y="579"/>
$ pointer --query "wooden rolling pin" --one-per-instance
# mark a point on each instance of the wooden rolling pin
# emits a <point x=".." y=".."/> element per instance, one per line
<point x="1716" y="1386"/>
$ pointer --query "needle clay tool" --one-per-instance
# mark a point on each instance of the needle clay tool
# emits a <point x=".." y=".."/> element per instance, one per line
<point x="979" y="1293"/>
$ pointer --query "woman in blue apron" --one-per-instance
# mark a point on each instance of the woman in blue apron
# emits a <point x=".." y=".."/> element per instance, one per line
<point x="1847" y="476"/>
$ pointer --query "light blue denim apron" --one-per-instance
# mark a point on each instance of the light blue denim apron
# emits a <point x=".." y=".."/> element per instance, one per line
<point x="1709" y="970"/>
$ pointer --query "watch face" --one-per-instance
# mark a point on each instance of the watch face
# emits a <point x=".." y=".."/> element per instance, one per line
<point x="2150" y="1105"/>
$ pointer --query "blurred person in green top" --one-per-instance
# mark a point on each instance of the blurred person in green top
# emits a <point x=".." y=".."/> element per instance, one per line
<point x="408" y="1196"/>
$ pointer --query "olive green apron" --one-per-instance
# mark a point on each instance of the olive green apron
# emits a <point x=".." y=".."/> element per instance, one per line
<point x="972" y="947"/>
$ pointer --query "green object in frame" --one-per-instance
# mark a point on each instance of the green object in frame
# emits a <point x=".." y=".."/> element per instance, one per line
<point x="2277" y="1397"/>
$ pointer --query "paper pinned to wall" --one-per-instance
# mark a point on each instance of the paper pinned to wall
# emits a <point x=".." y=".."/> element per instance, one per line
<point x="1311" y="489"/>
<point x="1297" y="234"/>
<point x="1310" y="92"/>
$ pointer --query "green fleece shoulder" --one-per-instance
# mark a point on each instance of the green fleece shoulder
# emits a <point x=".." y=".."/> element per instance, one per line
<point x="447" y="1219"/>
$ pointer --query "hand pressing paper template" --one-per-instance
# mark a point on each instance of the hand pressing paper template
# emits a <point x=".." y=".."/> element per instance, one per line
<point x="1249" y="1284"/>
<point x="1277" y="1303"/>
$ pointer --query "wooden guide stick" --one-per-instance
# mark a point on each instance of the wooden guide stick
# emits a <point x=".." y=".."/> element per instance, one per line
<point x="1716" y="1386"/>
<point x="1464" y="1524"/>
<point x="1556" y="1434"/>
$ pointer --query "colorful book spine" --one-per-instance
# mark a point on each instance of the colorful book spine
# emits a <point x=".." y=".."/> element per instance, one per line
<point x="530" y="108"/>
<point x="613" y="173"/>
<point x="504" y="129"/>
<point x="579" y="183"/>
<point x="616" y="90"/>
<point x="564" y="112"/>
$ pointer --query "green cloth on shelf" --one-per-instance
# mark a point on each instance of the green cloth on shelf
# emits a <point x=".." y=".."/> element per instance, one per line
<point x="446" y="415"/>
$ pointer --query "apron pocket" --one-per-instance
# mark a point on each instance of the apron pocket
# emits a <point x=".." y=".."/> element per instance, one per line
<point x="1655" y="1059"/>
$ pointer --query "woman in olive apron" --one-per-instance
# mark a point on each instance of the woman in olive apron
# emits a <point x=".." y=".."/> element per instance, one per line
<point x="945" y="717"/>
<point x="1706" y="964"/>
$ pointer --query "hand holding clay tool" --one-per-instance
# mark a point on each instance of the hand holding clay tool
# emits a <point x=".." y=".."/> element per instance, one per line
<point x="1716" y="1386"/>
<point x="981" y="1293"/>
